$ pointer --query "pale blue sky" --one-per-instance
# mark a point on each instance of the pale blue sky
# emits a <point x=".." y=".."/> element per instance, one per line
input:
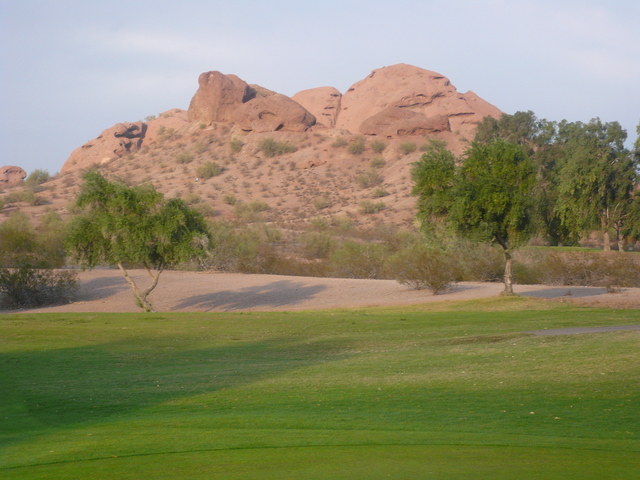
<point x="70" y="69"/>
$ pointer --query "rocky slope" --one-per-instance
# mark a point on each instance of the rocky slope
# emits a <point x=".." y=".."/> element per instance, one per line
<point x="353" y="152"/>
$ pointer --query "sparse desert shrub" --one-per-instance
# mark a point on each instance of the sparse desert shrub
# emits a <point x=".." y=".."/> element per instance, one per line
<point x="357" y="146"/>
<point x="236" y="145"/>
<point x="379" y="193"/>
<point x="230" y="199"/>
<point x="250" y="211"/>
<point x="37" y="177"/>
<point x="478" y="262"/>
<point x="183" y="158"/>
<point x="271" y="148"/>
<point x="358" y="260"/>
<point x="199" y="148"/>
<point x="378" y="146"/>
<point x="208" y="170"/>
<point x="340" y="142"/>
<point x="407" y="147"/>
<point x="377" y="162"/>
<point x="316" y="244"/>
<point x="369" y="179"/>
<point x="30" y="286"/>
<point x="369" y="207"/>
<point x="192" y="199"/>
<point x="319" y="223"/>
<point x="419" y="267"/>
<point x="322" y="202"/>
<point x="342" y="222"/>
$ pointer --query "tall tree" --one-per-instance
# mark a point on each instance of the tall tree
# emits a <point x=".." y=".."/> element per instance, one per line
<point x="133" y="225"/>
<point x="488" y="196"/>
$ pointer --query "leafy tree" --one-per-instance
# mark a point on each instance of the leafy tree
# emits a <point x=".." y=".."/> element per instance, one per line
<point x="596" y="178"/>
<point x="134" y="225"/>
<point x="487" y="197"/>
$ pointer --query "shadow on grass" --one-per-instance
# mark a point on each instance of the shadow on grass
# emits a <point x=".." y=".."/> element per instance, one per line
<point x="69" y="387"/>
<point x="275" y="294"/>
<point x="558" y="292"/>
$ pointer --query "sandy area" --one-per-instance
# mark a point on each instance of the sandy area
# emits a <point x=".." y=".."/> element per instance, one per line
<point x="104" y="290"/>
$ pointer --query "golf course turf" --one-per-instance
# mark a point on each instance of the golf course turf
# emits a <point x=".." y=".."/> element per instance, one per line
<point x="453" y="390"/>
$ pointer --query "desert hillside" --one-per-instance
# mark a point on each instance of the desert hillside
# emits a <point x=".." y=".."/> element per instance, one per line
<point x="241" y="149"/>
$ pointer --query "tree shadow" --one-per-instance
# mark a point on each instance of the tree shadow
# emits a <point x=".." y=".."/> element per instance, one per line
<point x="50" y="389"/>
<point x="275" y="294"/>
<point x="574" y="292"/>
<point x="101" y="287"/>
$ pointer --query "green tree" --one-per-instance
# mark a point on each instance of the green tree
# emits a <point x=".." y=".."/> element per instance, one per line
<point x="596" y="178"/>
<point x="125" y="225"/>
<point x="487" y="197"/>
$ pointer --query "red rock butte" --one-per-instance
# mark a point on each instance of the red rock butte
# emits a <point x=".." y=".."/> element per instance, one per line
<point x="395" y="101"/>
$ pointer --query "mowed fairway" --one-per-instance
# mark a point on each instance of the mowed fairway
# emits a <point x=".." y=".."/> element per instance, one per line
<point x="455" y="391"/>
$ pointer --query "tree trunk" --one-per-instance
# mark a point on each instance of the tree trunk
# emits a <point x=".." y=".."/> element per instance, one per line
<point x="508" y="267"/>
<point x="607" y="241"/>
<point x="141" y="296"/>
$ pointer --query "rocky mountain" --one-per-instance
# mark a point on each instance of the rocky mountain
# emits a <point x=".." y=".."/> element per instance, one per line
<point x="330" y="152"/>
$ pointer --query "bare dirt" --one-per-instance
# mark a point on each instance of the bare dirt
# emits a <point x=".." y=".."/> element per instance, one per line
<point x="105" y="290"/>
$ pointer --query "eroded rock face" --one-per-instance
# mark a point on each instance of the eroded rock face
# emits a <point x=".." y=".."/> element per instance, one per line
<point x="119" y="140"/>
<point x="397" y="121"/>
<point x="414" y="89"/>
<point x="11" y="175"/>
<point x="271" y="114"/>
<point x="218" y="96"/>
<point x="323" y="103"/>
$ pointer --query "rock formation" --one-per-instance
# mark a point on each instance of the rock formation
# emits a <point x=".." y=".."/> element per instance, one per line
<point x="119" y="140"/>
<point x="11" y="175"/>
<point x="217" y="97"/>
<point x="322" y="102"/>
<point x="414" y="89"/>
<point x="397" y="121"/>
<point x="271" y="114"/>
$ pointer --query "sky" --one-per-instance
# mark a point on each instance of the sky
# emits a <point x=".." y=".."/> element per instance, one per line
<point x="70" y="69"/>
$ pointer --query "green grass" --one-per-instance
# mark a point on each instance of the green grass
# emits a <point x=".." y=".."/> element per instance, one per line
<point x="450" y="390"/>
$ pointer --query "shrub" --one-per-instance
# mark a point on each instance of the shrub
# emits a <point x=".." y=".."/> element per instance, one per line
<point x="419" y="267"/>
<point x="358" y="260"/>
<point x="342" y="222"/>
<point x="271" y="148"/>
<point x="236" y="145"/>
<point x="200" y="148"/>
<point x="183" y="158"/>
<point x="250" y="211"/>
<point x="378" y="146"/>
<point x="377" y="162"/>
<point x="368" y="207"/>
<point x="321" y="202"/>
<point x="407" y="147"/>
<point x="369" y="179"/>
<point x="357" y="146"/>
<point x="29" y="286"/>
<point x="37" y="177"/>
<point x="230" y="199"/>
<point x="208" y="170"/>
<point x="316" y="244"/>
<point x="379" y="193"/>
<point x="340" y="142"/>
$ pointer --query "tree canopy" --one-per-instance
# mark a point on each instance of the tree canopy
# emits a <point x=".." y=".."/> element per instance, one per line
<point x="123" y="225"/>
<point x="487" y="196"/>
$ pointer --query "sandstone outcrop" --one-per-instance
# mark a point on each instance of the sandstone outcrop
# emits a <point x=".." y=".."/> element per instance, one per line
<point x="11" y="175"/>
<point x="321" y="102"/>
<point x="414" y="89"/>
<point x="119" y="140"/>
<point x="217" y="97"/>
<point x="397" y="121"/>
<point x="271" y="114"/>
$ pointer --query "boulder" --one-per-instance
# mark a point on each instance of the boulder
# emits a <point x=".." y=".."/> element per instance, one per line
<point x="11" y="175"/>
<point x="273" y="113"/>
<point x="323" y="103"/>
<point x="398" y="121"/>
<point x="414" y="89"/>
<point x="217" y="97"/>
<point x="119" y="140"/>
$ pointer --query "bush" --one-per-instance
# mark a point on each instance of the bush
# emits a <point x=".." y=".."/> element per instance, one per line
<point x="250" y="211"/>
<point x="407" y="147"/>
<point x="368" y="207"/>
<point x="236" y="145"/>
<point x="379" y="193"/>
<point x="358" y="260"/>
<point x="378" y="146"/>
<point x="316" y="244"/>
<point x="208" y="170"/>
<point x="183" y="158"/>
<point x="230" y="199"/>
<point x="37" y="177"/>
<point x="357" y="146"/>
<point x="340" y="142"/>
<point x="270" y="148"/>
<point x="28" y="286"/>
<point x="321" y="202"/>
<point x="369" y="179"/>
<point x="419" y="267"/>
<point x="377" y="162"/>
